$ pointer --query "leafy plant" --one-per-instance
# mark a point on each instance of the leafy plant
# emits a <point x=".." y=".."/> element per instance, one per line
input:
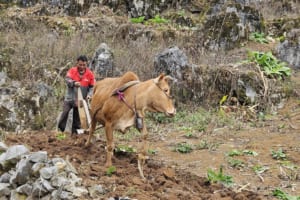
<point x="111" y="170"/>
<point x="269" y="64"/>
<point x="236" y="163"/>
<point x="61" y="136"/>
<point x="249" y="152"/>
<point x="258" y="169"/>
<point x="258" y="37"/>
<point x="224" y="98"/>
<point x="219" y="177"/>
<point x="284" y="196"/>
<point x="205" y="145"/>
<point x="202" y="145"/>
<point x="158" y="20"/>
<point x="279" y="155"/>
<point x="183" y="148"/>
<point x="234" y="153"/>
<point x="152" y="151"/>
<point x="138" y="19"/>
<point x="160" y="118"/>
<point x="125" y="149"/>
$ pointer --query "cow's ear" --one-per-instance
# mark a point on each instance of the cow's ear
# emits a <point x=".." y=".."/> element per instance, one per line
<point x="169" y="78"/>
<point x="159" y="78"/>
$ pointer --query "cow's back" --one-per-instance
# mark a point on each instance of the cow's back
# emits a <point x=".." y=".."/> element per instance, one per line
<point x="104" y="88"/>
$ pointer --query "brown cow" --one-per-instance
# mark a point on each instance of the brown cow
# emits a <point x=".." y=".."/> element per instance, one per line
<point x="118" y="102"/>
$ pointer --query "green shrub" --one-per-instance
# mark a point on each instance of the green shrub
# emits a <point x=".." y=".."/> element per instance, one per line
<point x="138" y="20"/>
<point x="269" y="64"/>
<point x="258" y="37"/>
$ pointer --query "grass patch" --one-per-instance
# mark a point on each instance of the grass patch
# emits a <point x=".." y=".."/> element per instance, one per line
<point x="284" y="196"/>
<point x="183" y="148"/>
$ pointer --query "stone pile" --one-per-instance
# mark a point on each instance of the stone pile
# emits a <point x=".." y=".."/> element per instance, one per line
<point x="27" y="175"/>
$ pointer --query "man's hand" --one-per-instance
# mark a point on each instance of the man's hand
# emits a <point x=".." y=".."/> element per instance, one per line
<point x="77" y="84"/>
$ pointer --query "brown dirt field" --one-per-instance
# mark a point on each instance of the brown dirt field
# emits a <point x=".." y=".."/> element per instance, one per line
<point x="172" y="175"/>
<point x="163" y="182"/>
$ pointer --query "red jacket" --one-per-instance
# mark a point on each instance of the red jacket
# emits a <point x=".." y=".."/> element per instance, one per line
<point x="87" y="79"/>
<point x="87" y="82"/>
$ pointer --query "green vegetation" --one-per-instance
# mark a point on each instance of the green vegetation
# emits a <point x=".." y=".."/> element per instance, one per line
<point x="129" y="136"/>
<point x="219" y="177"/>
<point x="269" y="64"/>
<point x="258" y="169"/>
<point x="206" y="145"/>
<point x="137" y="20"/>
<point x="111" y="170"/>
<point x="156" y="20"/>
<point x="235" y="163"/>
<point x="183" y="148"/>
<point x="249" y="152"/>
<point x="234" y="152"/>
<point x="284" y="196"/>
<point x="125" y="149"/>
<point x="61" y="136"/>
<point x="258" y="37"/>
<point x="152" y="151"/>
<point x="279" y="155"/>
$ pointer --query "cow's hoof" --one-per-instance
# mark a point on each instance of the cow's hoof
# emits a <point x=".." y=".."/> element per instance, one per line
<point x="108" y="164"/>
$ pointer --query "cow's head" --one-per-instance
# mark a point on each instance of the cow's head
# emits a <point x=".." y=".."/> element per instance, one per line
<point x="161" y="98"/>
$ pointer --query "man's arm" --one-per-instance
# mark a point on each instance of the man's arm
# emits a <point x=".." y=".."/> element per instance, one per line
<point x="71" y="83"/>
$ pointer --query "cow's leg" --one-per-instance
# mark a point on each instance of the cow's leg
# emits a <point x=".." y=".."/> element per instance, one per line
<point x="91" y="132"/>
<point x="109" y="143"/>
<point x="142" y="155"/>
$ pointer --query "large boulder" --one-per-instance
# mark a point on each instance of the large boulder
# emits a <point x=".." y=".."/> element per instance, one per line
<point x="289" y="49"/>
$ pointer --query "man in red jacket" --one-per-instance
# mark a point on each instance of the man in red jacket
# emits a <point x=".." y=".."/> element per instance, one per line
<point x="77" y="76"/>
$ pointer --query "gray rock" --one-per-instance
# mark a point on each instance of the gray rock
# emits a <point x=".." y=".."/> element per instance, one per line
<point x="5" y="177"/>
<point x="12" y="156"/>
<point x="3" y="77"/>
<point x="36" y="167"/>
<point x="38" y="190"/>
<point x="47" y="185"/>
<point x="96" y="191"/>
<point x="22" y="174"/>
<point x="48" y="172"/>
<point x="102" y="62"/>
<point x="171" y="61"/>
<point x="3" y="147"/>
<point x="4" y="189"/>
<point x="25" y="189"/>
<point x="40" y="156"/>
<point x="289" y="50"/>
<point x="58" y="181"/>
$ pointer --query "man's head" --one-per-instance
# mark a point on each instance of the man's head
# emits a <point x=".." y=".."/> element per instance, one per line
<point x="82" y="63"/>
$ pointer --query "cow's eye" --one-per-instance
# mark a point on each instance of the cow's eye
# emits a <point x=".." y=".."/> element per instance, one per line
<point x="166" y="90"/>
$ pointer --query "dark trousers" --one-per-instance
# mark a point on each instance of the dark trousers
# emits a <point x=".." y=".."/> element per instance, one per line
<point x="64" y="117"/>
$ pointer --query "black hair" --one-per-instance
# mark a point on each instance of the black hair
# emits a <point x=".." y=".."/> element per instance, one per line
<point x="82" y="58"/>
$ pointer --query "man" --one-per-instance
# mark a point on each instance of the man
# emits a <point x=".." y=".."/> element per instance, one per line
<point x="78" y="77"/>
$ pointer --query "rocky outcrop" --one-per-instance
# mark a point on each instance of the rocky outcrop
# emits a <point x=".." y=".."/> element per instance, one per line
<point x="289" y="49"/>
<point x="244" y="84"/>
<point x="24" y="106"/>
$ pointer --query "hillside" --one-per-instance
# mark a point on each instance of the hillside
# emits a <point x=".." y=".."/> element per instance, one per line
<point x="204" y="45"/>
